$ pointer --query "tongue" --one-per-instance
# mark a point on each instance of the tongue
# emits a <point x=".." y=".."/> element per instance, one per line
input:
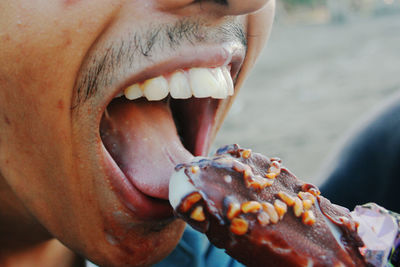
<point x="142" y="139"/>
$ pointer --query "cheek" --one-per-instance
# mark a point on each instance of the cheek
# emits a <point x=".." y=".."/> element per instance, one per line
<point x="256" y="35"/>
<point x="41" y="51"/>
<point x="34" y="157"/>
<point x="45" y="41"/>
<point x="71" y="2"/>
<point x="256" y="38"/>
<point x="44" y="44"/>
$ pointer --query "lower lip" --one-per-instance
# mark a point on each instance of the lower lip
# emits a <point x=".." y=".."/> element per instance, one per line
<point x="142" y="206"/>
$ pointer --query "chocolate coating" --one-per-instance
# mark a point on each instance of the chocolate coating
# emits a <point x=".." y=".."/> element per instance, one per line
<point x="231" y="178"/>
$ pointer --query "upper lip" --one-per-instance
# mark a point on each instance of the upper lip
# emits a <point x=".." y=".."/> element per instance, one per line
<point x="200" y="56"/>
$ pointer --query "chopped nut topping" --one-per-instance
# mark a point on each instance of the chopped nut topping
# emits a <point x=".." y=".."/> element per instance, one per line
<point x="308" y="217"/>
<point x="251" y="206"/>
<point x="270" y="210"/>
<point x="252" y="183"/>
<point x="289" y="200"/>
<point x="247" y="174"/>
<point x="188" y="202"/>
<point x="233" y="210"/>
<point x="267" y="182"/>
<point x="198" y="214"/>
<point x="276" y="159"/>
<point x="312" y="189"/>
<point x="246" y="153"/>
<point x="263" y="218"/>
<point x="298" y="207"/>
<point x="280" y="208"/>
<point x="276" y="165"/>
<point x="271" y="175"/>
<point x="245" y="169"/>
<point x="307" y="204"/>
<point x="273" y="170"/>
<point x="306" y="195"/>
<point x="239" y="226"/>
<point x="314" y="192"/>
<point x="194" y="169"/>
<point x="258" y="182"/>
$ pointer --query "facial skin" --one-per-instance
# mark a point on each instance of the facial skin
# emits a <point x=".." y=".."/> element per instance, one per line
<point x="62" y="63"/>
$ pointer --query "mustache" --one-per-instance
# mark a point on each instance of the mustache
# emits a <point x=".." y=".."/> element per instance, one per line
<point x="101" y="70"/>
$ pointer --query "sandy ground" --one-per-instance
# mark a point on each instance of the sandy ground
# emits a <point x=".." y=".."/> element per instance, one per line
<point x="311" y="85"/>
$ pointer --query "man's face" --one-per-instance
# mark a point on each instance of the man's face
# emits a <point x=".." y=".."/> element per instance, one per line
<point x="91" y="167"/>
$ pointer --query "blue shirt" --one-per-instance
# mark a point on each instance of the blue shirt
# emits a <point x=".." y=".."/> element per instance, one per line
<point x="194" y="250"/>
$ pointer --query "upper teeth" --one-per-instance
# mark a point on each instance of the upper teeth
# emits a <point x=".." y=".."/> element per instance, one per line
<point x="200" y="82"/>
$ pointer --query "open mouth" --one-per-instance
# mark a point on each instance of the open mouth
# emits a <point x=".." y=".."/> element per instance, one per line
<point x="154" y="124"/>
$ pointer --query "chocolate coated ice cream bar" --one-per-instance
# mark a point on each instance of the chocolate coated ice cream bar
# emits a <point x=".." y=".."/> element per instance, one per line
<point x="261" y="214"/>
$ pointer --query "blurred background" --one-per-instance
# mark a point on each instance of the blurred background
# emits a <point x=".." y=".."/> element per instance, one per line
<point x="327" y="65"/>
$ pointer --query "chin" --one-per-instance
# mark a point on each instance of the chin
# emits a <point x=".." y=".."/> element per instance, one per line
<point x="139" y="247"/>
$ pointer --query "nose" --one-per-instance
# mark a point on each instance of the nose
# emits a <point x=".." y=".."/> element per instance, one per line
<point x="240" y="7"/>
<point x="224" y="7"/>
